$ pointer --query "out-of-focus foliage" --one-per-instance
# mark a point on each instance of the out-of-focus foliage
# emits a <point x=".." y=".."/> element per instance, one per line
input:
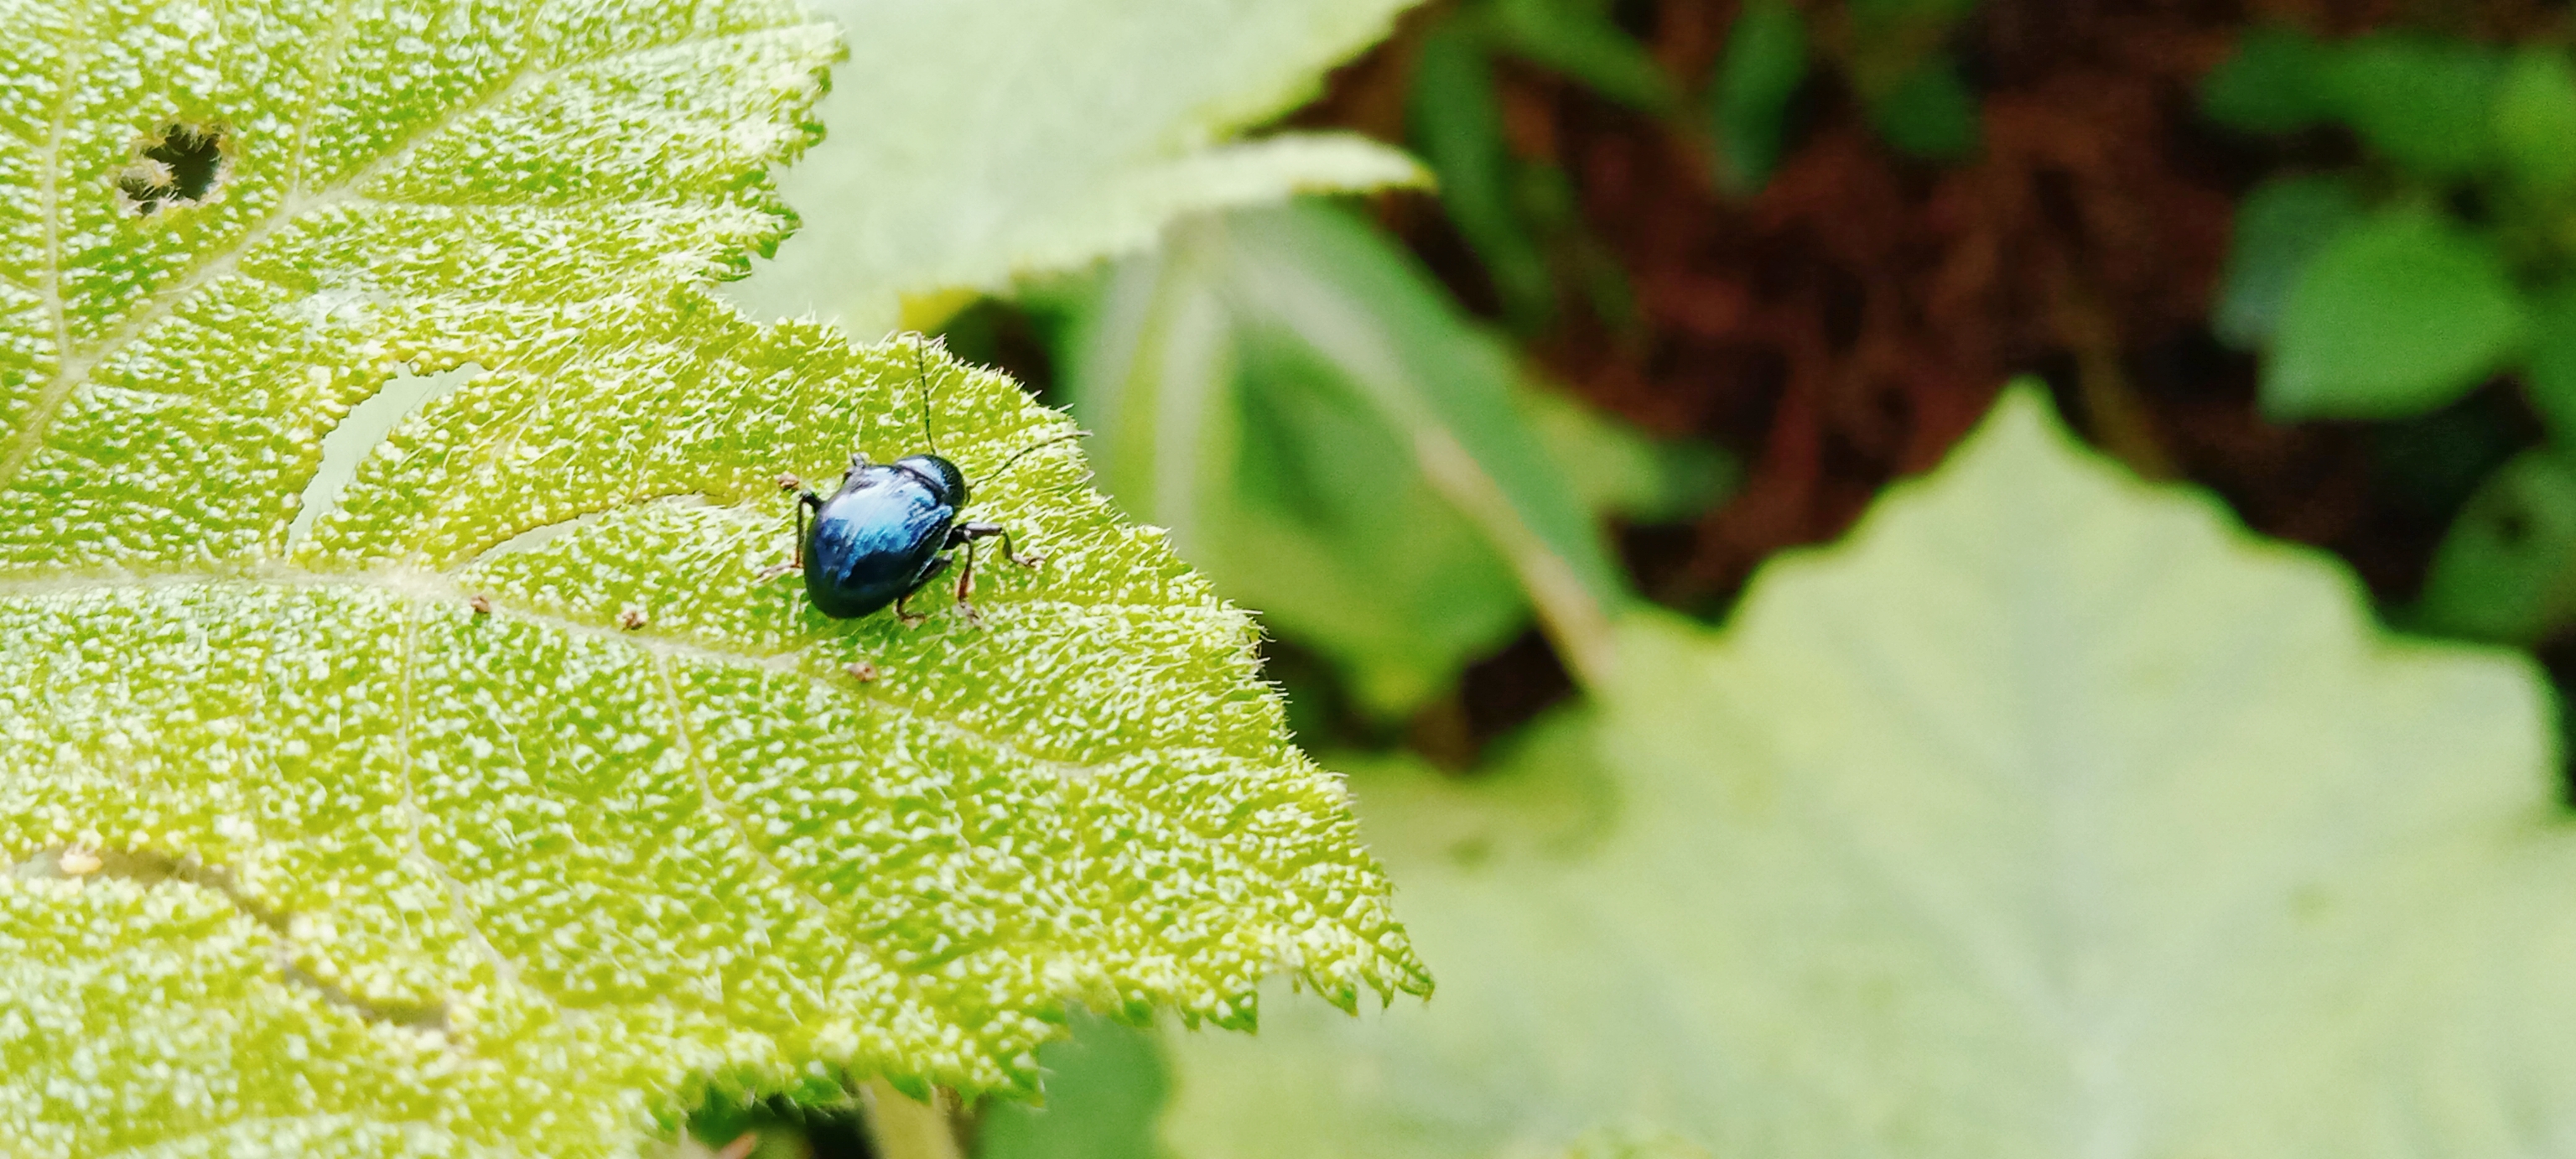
<point x="2397" y="314"/>
<point x="2050" y="809"/>
<point x="974" y="143"/>
<point x="1457" y="123"/>
<point x="407" y="834"/>
<point x="2397" y="308"/>
<point x="2507" y="570"/>
<point x="1104" y="1095"/>
<point x="1748" y="98"/>
<point x="1579" y="39"/>
<point x="2280" y="226"/>
<point x="1894" y="54"/>
<point x="2535" y="118"/>
<point x="1517" y="212"/>
<point x="1339" y="449"/>
<point x="2394" y="312"/>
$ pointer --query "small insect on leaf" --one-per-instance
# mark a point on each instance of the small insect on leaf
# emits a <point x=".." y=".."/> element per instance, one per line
<point x="891" y="529"/>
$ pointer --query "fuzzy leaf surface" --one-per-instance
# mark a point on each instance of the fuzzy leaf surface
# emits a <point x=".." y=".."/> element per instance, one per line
<point x="2051" y="814"/>
<point x="307" y="855"/>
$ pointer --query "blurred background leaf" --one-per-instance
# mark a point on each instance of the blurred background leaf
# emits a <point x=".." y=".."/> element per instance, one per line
<point x="2507" y="570"/>
<point x="1078" y="130"/>
<point x="2273" y="82"/>
<point x="1105" y="1091"/>
<point x="1577" y="38"/>
<point x="2400" y="313"/>
<point x="2424" y="101"/>
<point x="1887" y="868"/>
<point x="1928" y="112"/>
<point x="1457" y="122"/>
<point x="2280" y="227"/>
<point x="1748" y="98"/>
<point x="2535" y="119"/>
<point x="1338" y="448"/>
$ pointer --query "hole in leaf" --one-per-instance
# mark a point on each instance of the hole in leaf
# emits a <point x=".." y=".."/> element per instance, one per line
<point x="359" y="432"/>
<point x="176" y="167"/>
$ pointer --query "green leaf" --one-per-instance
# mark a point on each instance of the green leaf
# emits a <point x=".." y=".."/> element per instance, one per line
<point x="2426" y="102"/>
<point x="1928" y="112"/>
<point x="2399" y="314"/>
<point x="1324" y="434"/>
<point x="2549" y="378"/>
<point x="2050" y="813"/>
<point x="306" y="855"/>
<point x="2278" y="80"/>
<point x="2535" y="118"/>
<point x="2506" y="570"/>
<point x="2281" y="226"/>
<point x="1618" y="470"/>
<point x="1106" y="1086"/>
<point x="1455" y="117"/>
<point x="1748" y="99"/>
<point x="975" y="143"/>
<point x="1578" y="38"/>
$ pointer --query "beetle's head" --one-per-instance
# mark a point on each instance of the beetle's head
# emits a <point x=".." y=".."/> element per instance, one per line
<point x="944" y="478"/>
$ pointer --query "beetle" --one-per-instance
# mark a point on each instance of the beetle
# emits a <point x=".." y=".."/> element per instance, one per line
<point x="891" y="528"/>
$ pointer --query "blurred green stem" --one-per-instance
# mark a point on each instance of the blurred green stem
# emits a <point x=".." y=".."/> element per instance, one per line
<point x="906" y="1128"/>
<point x="1575" y="623"/>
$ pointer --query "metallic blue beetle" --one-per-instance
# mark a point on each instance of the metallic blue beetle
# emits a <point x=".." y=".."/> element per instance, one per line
<point x="890" y="530"/>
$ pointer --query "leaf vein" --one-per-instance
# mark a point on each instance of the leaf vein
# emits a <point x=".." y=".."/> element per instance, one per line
<point x="688" y="745"/>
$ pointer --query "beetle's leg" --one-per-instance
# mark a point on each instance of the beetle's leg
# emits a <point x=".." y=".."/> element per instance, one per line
<point x="910" y="618"/>
<point x="805" y="500"/>
<point x="1030" y="560"/>
<point x="966" y="584"/>
<point x="970" y="532"/>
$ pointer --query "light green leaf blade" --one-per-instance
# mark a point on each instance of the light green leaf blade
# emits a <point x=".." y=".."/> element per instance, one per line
<point x="1929" y="112"/>
<point x="308" y="855"/>
<point x="2506" y="569"/>
<point x="1453" y="112"/>
<point x="1105" y="1093"/>
<point x="1579" y="38"/>
<point x="1748" y="96"/>
<point x="2549" y="377"/>
<point x="2280" y="227"/>
<point x="2427" y="102"/>
<point x="2050" y="814"/>
<point x="2535" y="118"/>
<point x="1619" y="470"/>
<point x="972" y="143"/>
<point x="2277" y="80"/>
<point x="1337" y="447"/>
<point x="2399" y="314"/>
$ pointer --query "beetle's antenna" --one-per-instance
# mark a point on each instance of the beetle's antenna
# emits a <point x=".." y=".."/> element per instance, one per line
<point x="921" y="379"/>
<point x="1023" y="452"/>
